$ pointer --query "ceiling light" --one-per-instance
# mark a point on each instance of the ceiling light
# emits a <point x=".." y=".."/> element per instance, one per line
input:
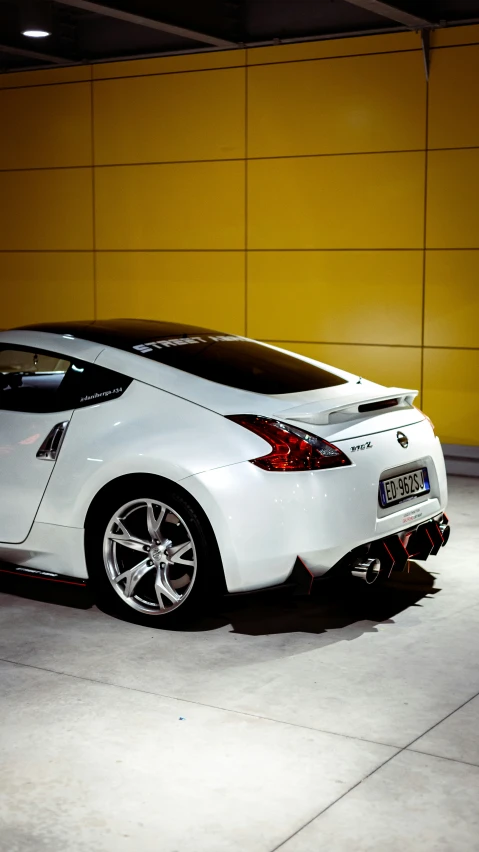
<point x="35" y="33"/>
<point x="35" y="18"/>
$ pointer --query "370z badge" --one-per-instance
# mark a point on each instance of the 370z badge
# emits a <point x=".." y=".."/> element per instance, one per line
<point x="367" y="446"/>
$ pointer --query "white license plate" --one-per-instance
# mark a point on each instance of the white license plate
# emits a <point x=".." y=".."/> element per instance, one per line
<point x="400" y="488"/>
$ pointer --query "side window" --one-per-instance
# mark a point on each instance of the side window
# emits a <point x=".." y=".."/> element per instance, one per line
<point x="88" y="384"/>
<point x="42" y="382"/>
<point x="31" y="381"/>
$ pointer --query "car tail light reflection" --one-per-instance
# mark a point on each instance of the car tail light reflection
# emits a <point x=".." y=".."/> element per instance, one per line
<point x="291" y="448"/>
<point x="427" y="418"/>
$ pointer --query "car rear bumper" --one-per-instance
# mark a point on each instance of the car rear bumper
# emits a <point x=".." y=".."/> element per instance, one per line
<point x="264" y="521"/>
<point x="391" y="554"/>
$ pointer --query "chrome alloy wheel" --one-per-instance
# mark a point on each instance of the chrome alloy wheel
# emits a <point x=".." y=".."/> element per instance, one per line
<point x="150" y="556"/>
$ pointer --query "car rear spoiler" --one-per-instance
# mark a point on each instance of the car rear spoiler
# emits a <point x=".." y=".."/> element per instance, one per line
<point x="320" y="412"/>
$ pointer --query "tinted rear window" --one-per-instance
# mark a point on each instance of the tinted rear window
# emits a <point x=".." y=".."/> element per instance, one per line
<point x="239" y="363"/>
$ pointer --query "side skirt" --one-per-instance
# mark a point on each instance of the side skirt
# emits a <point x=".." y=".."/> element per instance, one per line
<point x="36" y="574"/>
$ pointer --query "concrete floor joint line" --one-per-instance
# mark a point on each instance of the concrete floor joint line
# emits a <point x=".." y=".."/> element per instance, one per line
<point x="381" y="765"/>
<point x="443" y="757"/>
<point x="338" y="799"/>
<point x="200" y="704"/>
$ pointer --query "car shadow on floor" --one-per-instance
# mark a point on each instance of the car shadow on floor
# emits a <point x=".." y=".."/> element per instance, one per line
<point x="333" y="605"/>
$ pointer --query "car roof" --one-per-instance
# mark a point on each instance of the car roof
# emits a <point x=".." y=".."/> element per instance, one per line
<point x="119" y="333"/>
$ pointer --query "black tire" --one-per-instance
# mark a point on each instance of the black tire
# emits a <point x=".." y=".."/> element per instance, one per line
<point x="208" y="584"/>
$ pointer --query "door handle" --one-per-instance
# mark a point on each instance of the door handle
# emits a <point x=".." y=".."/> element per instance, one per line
<point x="53" y="442"/>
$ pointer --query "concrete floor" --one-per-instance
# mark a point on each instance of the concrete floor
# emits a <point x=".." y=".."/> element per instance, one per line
<point x="346" y="725"/>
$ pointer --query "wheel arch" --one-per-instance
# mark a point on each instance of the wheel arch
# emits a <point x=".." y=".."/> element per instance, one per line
<point x="133" y="480"/>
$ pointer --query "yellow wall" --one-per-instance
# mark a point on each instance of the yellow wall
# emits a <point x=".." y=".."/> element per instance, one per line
<point x="321" y="196"/>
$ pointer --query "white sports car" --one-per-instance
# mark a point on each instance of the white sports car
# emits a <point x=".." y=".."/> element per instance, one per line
<point x="165" y="462"/>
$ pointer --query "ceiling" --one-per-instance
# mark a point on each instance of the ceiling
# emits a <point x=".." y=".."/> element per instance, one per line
<point x="84" y="31"/>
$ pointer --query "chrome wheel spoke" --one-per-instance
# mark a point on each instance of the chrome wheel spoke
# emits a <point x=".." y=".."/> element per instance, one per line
<point x="133" y="576"/>
<point x="132" y="543"/>
<point x="154" y="523"/>
<point x="163" y="587"/>
<point x="128" y="540"/>
<point x="175" y="554"/>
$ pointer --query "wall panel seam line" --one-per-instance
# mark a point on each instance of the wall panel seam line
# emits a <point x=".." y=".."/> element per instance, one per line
<point x="345" y="343"/>
<point x="134" y="164"/>
<point x="93" y="202"/>
<point x="352" y="55"/>
<point x="416" y="346"/>
<point x="115" y="250"/>
<point x="43" y="85"/>
<point x="341" y="248"/>
<point x="172" y="73"/>
<point x="449" y="46"/>
<point x="120" y="76"/>
<point x="459" y="348"/>
<point x="425" y="189"/>
<point x="237" y="67"/>
<point x="327" y="58"/>
<point x="177" y="249"/>
<point x="453" y="148"/>
<point x="337" y="154"/>
<point x="246" y="200"/>
<point x="46" y="168"/>
<point x="124" y="165"/>
<point x="247" y="64"/>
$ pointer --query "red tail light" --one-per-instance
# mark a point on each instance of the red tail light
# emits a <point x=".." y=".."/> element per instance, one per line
<point x="291" y="448"/>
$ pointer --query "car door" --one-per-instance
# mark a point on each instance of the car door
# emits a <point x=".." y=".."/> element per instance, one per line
<point x="32" y="427"/>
